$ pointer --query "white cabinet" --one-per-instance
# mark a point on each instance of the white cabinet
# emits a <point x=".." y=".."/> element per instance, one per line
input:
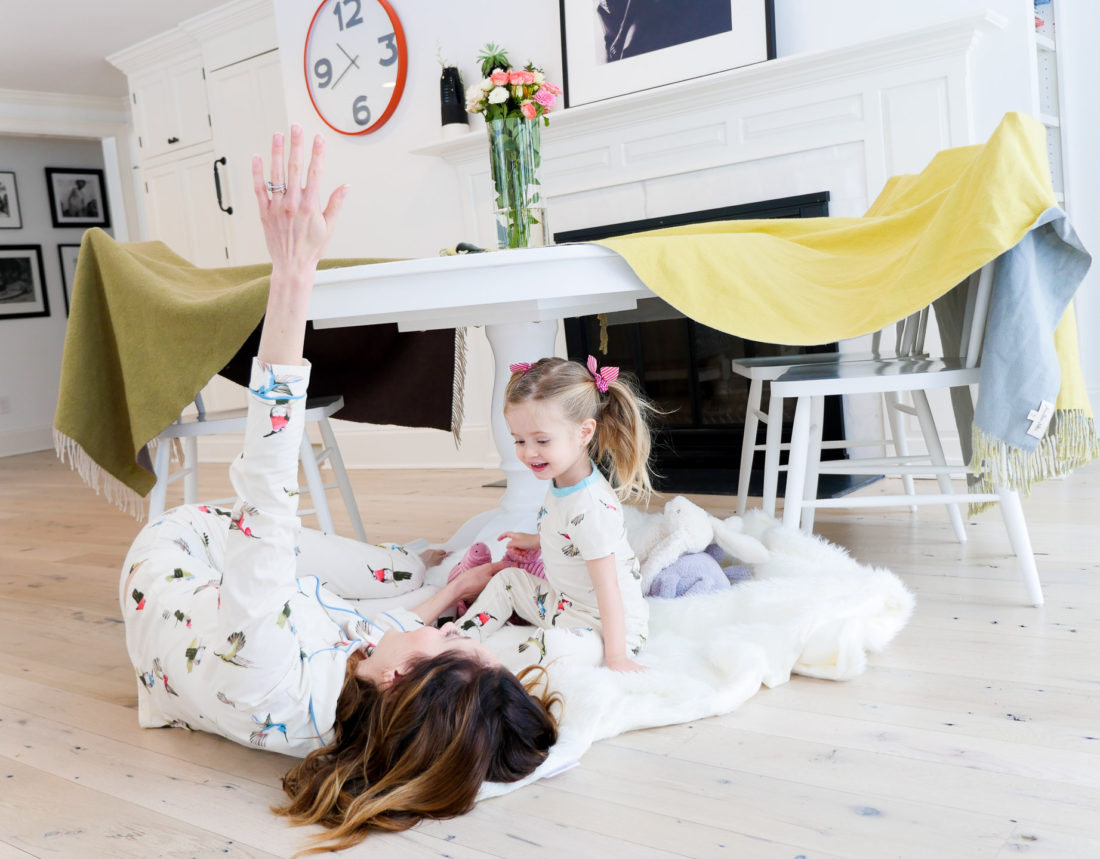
<point x="246" y="106"/>
<point x="170" y="107"/>
<point x="181" y="209"/>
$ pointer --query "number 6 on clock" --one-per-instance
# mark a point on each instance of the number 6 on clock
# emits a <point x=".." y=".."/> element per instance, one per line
<point x="355" y="62"/>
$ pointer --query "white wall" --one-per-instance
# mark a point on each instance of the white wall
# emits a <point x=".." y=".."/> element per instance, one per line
<point x="407" y="205"/>
<point x="30" y="349"/>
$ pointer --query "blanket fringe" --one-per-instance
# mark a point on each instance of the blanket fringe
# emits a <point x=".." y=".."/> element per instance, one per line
<point x="1070" y="443"/>
<point x="458" y="391"/>
<point x="113" y="489"/>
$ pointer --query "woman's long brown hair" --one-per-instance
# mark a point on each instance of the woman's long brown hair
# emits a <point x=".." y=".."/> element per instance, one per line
<point x="421" y="748"/>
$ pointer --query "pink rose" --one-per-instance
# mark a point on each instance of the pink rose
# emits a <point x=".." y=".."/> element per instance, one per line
<point x="528" y="109"/>
<point x="528" y="77"/>
<point x="545" y="97"/>
<point x="499" y="78"/>
<point x="515" y="78"/>
<point x="554" y="88"/>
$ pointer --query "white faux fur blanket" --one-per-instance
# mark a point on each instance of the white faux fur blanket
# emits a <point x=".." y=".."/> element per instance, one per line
<point x="810" y="609"/>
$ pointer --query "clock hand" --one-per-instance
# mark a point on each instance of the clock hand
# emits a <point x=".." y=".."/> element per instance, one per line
<point x="344" y="72"/>
<point x="349" y="56"/>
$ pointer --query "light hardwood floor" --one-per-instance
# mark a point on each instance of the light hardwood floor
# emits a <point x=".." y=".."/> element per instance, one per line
<point x="975" y="734"/>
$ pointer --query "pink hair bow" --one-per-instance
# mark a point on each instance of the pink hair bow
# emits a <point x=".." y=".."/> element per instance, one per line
<point x="604" y="377"/>
<point x="520" y="367"/>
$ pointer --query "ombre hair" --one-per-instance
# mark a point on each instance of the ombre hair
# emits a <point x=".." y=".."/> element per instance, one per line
<point x="621" y="443"/>
<point x="420" y="748"/>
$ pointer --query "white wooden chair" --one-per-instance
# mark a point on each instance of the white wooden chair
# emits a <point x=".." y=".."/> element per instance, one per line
<point x="809" y="385"/>
<point x="909" y="342"/>
<point x="188" y="428"/>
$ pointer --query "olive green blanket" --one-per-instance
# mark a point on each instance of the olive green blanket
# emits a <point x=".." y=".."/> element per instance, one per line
<point x="147" y="330"/>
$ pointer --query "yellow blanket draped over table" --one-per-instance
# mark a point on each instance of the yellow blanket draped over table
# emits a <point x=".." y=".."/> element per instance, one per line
<point x="817" y="280"/>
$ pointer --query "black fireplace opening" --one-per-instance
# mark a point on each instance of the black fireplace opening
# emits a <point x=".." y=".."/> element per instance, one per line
<point x="683" y="366"/>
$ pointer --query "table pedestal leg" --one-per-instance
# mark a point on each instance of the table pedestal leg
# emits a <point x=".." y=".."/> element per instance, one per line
<point x="518" y="507"/>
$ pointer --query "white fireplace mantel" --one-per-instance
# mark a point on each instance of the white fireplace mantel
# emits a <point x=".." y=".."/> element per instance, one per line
<point x="842" y="120"/>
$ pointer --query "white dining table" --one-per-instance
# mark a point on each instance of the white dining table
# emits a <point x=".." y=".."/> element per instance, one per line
<point x="518" y="296"/>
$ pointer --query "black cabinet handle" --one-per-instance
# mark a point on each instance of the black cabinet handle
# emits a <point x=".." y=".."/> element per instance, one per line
<point x="173" y="140"/>
<point x="218" y="186"/>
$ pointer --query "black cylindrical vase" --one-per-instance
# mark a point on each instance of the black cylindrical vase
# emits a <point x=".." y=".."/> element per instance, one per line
<point x="452" y="103"/>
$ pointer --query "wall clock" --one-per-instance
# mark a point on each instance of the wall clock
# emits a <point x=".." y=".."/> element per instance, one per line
<point x="355" y="64"/>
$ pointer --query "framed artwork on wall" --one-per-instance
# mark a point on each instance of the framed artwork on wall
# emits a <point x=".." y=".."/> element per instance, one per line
<point x="615" y="47"/>
<point x="67" y="255"/>
<point x="10" y="219"/>
<point x="22" y="283"/>
<point x="78" y="197"/>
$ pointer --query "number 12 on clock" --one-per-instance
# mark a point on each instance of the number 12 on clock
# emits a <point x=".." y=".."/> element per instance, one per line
<point x="355" y="64"/>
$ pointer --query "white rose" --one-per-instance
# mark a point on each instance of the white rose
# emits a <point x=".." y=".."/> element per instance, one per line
<point x="539" y="77"/>
<point x="498" y="95"/>
<point x="485" y="85"/>
<point x="474" y="93"/>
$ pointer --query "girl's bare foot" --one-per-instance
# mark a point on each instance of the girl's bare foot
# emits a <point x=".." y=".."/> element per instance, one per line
<point x="432" y="557"/>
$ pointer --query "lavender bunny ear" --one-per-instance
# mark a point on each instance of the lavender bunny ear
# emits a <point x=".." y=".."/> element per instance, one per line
<point x="603" y="377"/>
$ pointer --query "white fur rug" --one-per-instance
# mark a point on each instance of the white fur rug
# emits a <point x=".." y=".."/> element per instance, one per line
<point x="809" y="609"/>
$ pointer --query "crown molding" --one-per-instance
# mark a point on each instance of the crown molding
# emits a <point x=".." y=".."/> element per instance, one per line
<point x="172" y="45"/>
<point x="228" y="17"/>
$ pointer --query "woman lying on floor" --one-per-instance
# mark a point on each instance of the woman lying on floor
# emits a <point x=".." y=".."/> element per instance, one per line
<point x="397" y="720"/>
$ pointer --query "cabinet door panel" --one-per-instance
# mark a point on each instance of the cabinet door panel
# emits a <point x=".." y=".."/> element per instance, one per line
<point x="182" y="209"/>
<point x="246" y="106"/>
<point x="170" y="108"/>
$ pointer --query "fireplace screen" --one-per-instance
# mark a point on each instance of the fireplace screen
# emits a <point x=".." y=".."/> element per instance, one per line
<point x="684" y="367"/>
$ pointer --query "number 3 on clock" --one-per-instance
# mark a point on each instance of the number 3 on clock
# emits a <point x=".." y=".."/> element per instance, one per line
<point x="355" y="64"/>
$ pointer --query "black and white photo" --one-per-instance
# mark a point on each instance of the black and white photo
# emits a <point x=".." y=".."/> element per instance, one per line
<point x="22" y="282"/>
<point x="78" y="197"/>
<point x="10" y="219"/>
<point x="67" y="255"/>
<point x="615" y="47"/>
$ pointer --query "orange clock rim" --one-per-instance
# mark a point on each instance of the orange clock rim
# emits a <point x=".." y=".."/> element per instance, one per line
<point x="402" y="69"/>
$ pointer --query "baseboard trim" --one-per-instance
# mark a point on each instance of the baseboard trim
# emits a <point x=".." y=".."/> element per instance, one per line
<point x="28" y="440"/>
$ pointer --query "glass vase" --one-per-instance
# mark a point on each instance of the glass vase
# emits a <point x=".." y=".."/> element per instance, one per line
<point x="517" y="198"/>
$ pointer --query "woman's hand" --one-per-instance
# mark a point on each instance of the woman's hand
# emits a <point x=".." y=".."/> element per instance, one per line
<point x="520" y="540"/>
<point x="296" y="232"/>
<point x="469" y="585"/>
<point x="295" y="228"/>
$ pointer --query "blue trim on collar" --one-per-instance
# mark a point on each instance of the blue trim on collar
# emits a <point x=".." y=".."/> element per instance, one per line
<point x="576" y="487"/>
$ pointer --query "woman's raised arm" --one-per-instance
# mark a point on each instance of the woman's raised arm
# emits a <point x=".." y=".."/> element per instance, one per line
<point x="297" y="231"/>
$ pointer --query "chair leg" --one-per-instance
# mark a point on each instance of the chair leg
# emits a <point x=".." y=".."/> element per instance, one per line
<point x="771" y="452"/>
<point x="342" y="481"/>
<point x="796" y="462"/>
<point x="191" y="473"/>
<point x="935" y="451"/>
<point x="160" y="469"/>
<point x="1013" y="514"/>
<point x="316" y="486"/>
<point x="891" y="399"/>
<point x="748" y="445"/>
<point x="813" y="461"/>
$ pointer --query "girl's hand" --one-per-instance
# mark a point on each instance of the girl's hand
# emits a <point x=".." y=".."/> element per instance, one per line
<point x="623" y="665"/>
<point x="295" y="228"/>
<point x="520" y="540"/>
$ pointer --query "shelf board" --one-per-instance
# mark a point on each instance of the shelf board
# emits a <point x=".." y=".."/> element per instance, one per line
<point x="1045" y="43"/>
<point x="1050" y="120"/>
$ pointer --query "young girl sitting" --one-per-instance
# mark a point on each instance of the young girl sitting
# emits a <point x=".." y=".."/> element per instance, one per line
<point x="563" y="416"/>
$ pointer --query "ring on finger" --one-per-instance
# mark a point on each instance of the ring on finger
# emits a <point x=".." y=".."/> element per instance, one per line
<point x="272" y="188"/>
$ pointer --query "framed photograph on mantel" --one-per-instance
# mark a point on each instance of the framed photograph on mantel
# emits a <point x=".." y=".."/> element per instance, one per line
<point x="22" y="284"/>
<point x="614" y="47"/>
<point x="78" y="197"/>
<point x="10" y="219"/>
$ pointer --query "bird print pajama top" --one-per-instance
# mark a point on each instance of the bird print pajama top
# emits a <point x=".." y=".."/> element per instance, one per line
<point x="223" y="635"/>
